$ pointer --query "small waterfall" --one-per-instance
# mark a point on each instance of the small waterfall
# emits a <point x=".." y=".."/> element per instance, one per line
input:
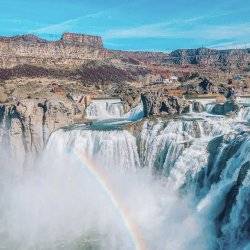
<point x="112" y="109"/>
<point x="191" y="107"/>
<point x="209" y="107"/>
<point x="105" y="109"/>
<point x="244" y="114"/>
<point x="135" y="113"/>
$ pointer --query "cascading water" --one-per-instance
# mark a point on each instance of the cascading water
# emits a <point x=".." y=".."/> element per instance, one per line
<point x="244" y="114"/>
<point x="112" y="109"/>
<point x="209" y="107"/>
<point x="135" y="113"/>
<point x="157" y="184"/>
<point x="104" y="109"/>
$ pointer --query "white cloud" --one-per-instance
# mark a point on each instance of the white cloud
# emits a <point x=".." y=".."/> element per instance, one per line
<point x="171" y="30"/>
<point x="174" y="28"/>
<point x="231" y="45"/>
<point x="56" y="28"/>
<point x="143" y="31"/>
<point x="67" y="25"/>
<point x="228" y="31"/>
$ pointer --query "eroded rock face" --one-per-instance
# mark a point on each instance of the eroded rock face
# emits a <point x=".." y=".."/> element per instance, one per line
<point x="197" y="107"/>
<point x="3" y="97"/>
<point x="129" y="95"/>
<point x="71" y="50"/>
<point x="25" y="126"/>
<point x="87" y="40"/>
<point x="157" y="103"/>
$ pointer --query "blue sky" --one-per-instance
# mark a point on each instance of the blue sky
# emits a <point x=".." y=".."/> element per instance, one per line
<point x="158" y="25"/>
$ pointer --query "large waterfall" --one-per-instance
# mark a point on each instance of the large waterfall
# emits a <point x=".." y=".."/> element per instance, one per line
<point x="162" y="183"/>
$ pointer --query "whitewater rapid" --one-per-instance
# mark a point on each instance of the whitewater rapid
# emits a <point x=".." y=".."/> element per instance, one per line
<point x="184" y="182"/>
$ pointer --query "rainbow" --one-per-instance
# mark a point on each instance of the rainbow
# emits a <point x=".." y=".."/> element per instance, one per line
<point x="101" y="177"/>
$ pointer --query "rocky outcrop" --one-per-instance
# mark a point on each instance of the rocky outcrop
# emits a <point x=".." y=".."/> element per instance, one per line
<point x="3" y="97"/>
<point x="205" y="86"/>
<point x="82" y="39"/>
<point x="221" y="59"/>
<point x="158" y="103"/>
<point x="197" y="107"/>
<point x="129" y="95"/>
<point x="25" y="126"/>
<point x="69" y="51"/>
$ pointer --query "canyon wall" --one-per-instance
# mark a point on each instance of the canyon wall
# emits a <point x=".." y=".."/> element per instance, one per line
<point x="74" y="49"/>
<point x="71" y="50"/>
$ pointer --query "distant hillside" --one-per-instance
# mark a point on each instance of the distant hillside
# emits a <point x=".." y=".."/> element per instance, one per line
<point x="73" y="49"/>
<point x="221" y="59"/>
<point x="234" y="58"/>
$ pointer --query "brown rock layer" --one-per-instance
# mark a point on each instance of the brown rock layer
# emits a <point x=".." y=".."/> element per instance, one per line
<point x="70" y="51"/>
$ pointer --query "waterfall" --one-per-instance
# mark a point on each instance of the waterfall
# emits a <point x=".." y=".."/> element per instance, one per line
<point x="108" y="147"/>
<point x="244" y="114"/>
<point x="225" y="200"/>
<point x="135" y="113"/>
<point x="209" y="107"/>
<point x="184" y="182"/>
<point x="104" y="109"/>
<point x="163" y="142"/>
<point x="183" y="151"/>
<point x="217" y="174"/>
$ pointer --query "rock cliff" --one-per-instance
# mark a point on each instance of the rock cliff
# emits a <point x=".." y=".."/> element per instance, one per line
<point x="25" y="126"/>
<point x="224" y="59"/>
<point x="81" y="39"/>
<point x="71" y="50"/>
<point x="160" y="103"/>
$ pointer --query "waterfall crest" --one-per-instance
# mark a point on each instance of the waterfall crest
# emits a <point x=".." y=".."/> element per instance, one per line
<point x="104" y="109"/>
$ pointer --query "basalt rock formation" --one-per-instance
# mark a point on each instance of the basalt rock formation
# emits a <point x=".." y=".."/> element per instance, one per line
<point x="158" y="103"/>
<point x="197" y="107"/>
<point x="25" y="126"/>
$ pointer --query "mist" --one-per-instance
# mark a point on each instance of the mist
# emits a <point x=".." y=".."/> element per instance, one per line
<point x="58" y="204"/>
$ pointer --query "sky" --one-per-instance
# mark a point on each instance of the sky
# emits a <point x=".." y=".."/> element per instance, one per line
<point x="152" y="25"/>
